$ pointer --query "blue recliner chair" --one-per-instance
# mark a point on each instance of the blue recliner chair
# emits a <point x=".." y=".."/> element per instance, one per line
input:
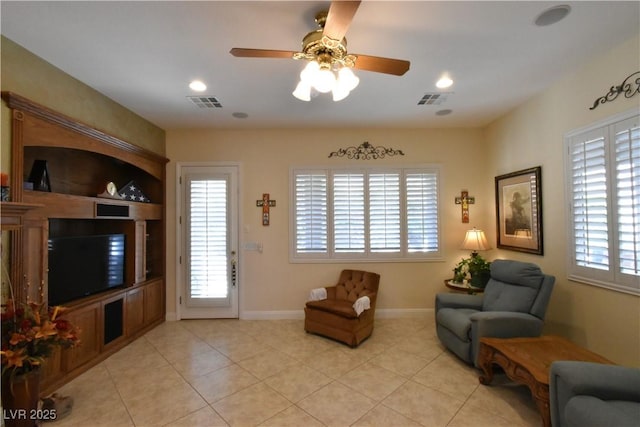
<point x="513" y="305"/>
<point x="585" y="394"/>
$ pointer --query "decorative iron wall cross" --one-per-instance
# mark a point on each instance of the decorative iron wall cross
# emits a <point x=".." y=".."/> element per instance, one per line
<point x="265" y="204"/>
<point x="464" y="201"/>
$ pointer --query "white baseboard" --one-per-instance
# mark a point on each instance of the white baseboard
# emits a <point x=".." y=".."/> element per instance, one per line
<point x="394" y="313"/>
<point x="272" y="315"/>
<point x="385" y="313"/>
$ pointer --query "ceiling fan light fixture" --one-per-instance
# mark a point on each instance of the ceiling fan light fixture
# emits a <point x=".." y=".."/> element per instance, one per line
<point x="347" y="79"/>
<point x="303" y="91"/>
<point x="340" y="92"/>
<point x="324" y="80"/>
<point x="308" y="73"/>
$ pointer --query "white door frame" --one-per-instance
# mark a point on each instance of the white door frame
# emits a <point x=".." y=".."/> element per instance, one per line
<point x="180" y="273"/>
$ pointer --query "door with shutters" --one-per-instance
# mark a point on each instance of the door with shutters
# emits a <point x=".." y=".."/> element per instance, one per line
<point x="209" y="230"/>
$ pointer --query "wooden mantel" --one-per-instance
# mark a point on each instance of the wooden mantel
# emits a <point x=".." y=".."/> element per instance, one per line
<point x="12" y="214"/>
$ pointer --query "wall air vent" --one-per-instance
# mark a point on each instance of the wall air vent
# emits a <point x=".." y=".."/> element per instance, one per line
<point x="205" y="101"/>
<point x="433" y="98"/>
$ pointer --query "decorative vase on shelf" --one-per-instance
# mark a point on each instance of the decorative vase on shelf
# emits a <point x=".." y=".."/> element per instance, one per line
<point x="20" y="394"/>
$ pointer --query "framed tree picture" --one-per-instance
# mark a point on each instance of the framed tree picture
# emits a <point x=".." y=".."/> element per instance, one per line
<point x="519" y="211"/>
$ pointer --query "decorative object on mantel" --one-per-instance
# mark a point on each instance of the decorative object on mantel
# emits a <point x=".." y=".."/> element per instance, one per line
<point x="464" y="201"/>
<point x="4" y="186"/>
<point x="110" y="191"/>
<point x="366" y="151"/>
<point x="265" y="203"/>
<point x="133" y="193"/>
<point x="39" y="176"/>
<point x="519" y="211"/>
<point x="629" y="87"/>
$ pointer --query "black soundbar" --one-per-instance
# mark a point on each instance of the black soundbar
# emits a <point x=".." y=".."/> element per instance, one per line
<point x="105" y="210"/>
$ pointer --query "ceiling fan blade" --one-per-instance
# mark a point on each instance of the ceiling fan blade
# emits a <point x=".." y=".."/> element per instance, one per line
<point x="261" y="53"/>
<point x="397" y="67"/>
<point x="339" y="18"/>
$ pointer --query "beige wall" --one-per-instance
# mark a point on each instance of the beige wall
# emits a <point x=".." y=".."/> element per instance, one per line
<point x="28" y="75"/>
<point x="605" y="321"/>
<point x="269" y="282"/>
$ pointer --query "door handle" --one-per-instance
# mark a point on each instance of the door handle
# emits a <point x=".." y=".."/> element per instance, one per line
<point x="233" y="268"/>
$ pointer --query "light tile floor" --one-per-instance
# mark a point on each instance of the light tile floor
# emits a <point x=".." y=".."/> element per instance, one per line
<point x="196" y="373"/>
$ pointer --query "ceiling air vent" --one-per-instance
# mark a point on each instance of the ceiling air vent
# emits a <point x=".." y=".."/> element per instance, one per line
<point x="205" y="101"/>
<point x="433" y="98"/>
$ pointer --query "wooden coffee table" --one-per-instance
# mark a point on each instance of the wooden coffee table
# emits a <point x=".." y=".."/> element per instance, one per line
<point x="528" y="360"/>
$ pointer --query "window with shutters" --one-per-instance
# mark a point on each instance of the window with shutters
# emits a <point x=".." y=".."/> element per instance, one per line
<point x="365" y="214"/>
<point x="603" y="187"/>
<point x="207" y="240"/>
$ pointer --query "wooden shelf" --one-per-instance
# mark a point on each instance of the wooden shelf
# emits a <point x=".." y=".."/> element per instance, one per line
<point x="82" y="207"/>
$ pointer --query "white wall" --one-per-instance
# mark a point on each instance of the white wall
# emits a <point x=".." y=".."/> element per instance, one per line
<point x="604" y="321"/>
<point x="269" y="282"/>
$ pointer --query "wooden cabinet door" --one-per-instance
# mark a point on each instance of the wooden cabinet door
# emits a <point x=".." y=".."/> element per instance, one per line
<point x="134" y="310"/>
<point x="89" y="320"/>
<point x="153" y="301"/>
<point x="141" y="251"/>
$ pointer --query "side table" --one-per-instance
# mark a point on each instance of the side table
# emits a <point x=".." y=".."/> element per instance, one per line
<point x="462" y="287"/>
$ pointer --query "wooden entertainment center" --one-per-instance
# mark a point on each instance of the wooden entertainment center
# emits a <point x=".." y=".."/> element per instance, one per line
<point x="80" y="162"/>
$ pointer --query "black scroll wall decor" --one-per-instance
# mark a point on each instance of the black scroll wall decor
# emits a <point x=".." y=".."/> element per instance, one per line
<point x="366" y="151"/>
<point x="629" y="87"/>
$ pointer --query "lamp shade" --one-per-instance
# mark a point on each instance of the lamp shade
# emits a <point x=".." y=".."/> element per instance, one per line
<point x="475" y="240"/>
<point x="303" y="91"/>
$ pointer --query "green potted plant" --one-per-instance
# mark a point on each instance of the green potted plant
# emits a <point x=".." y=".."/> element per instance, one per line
<point x="474" y="270"/>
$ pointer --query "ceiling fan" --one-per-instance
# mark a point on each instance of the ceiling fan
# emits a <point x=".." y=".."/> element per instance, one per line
<point x="326" y="51"/>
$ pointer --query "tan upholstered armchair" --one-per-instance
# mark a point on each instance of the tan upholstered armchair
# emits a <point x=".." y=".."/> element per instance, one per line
<point x="332" y="310"/>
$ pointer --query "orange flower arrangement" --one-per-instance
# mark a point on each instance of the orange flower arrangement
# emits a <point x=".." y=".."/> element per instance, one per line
<point x="30" y="334"/>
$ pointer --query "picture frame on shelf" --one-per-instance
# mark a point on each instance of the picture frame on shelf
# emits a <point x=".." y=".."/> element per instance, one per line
<point x="39" y="176"/>
<point x="519" y="211"/>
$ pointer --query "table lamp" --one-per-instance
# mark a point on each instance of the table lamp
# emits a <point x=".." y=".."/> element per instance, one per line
<point x="475" y="240"/>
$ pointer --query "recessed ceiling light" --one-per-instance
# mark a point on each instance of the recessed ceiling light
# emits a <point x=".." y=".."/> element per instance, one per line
<point x="197" y="86"/>
<point x="240" y="115"/>
<point x="444" y="82"/>
<point x="443" y="112"/>
<point x="552" y="15"/>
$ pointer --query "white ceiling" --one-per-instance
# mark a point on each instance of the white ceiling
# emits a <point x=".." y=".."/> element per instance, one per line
<point x="144" y="54"/>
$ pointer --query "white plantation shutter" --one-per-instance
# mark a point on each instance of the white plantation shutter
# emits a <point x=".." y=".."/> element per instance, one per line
<point x="627" y="166"/>
<point x="603" y="184"/>
<point x="348" y="216"/>
<point x="364" y="214"/>
<point x="589" y="200"/>
<point x="311" y="212"/>
<point x="422" y="211"/>
<point x="207" y="239"/>
<point x="384" y="212"/>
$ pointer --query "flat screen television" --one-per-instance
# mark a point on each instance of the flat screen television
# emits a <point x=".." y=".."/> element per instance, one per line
<point x="80" y="266"/>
